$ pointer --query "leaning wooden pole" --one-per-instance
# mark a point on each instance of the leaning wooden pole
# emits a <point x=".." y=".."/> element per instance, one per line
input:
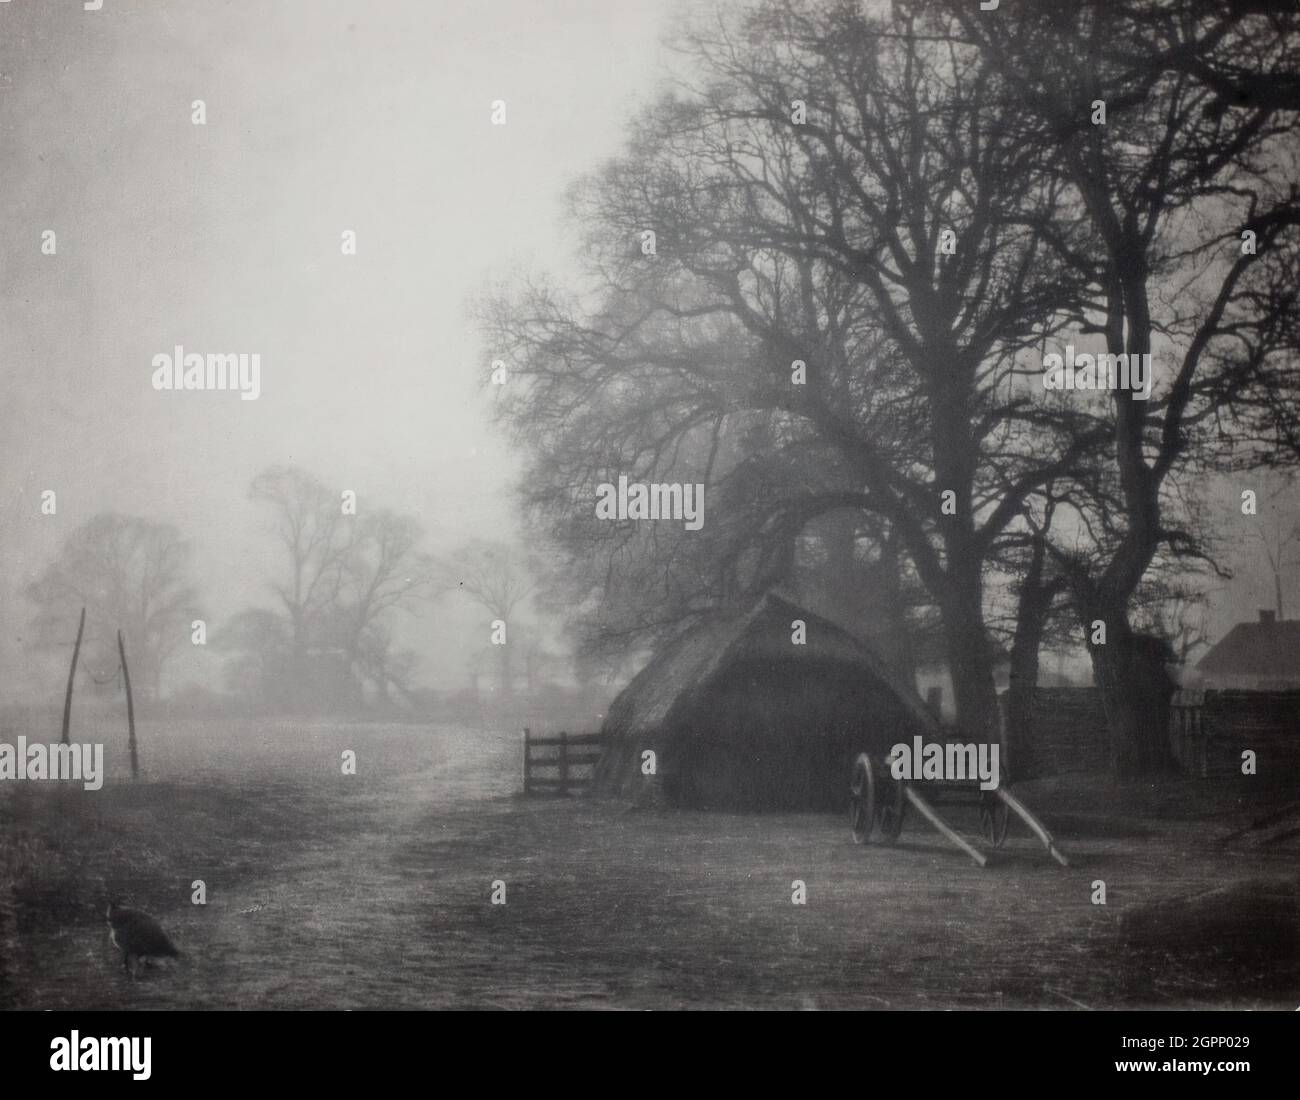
<point x="130" y="708"/>
<point x="1034" y="824"/>
<point x="72" y="675"/>
<point x="934" y="819"/>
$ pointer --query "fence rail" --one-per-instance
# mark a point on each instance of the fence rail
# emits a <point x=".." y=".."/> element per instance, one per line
<point x="567" y="761"/>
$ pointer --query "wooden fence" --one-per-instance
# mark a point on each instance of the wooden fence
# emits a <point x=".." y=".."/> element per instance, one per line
<point x="565" y="762"/>
<point x="1209" y="730"/>
<point x="1187" y="735"/>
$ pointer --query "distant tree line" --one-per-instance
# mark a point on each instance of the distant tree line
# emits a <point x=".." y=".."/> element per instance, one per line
<point x="323" y="641"/>
<point x="130" y="574"/>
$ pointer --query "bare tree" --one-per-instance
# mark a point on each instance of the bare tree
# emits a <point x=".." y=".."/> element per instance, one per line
<point x="880" y="241"/>
<point x="1192" y="214"/>
<point x="308" y="521"/>
<point x="388" y="668"/>
<point x="1278" y="536"/>
<point x="383" y="569"/>
<point x="342" y="578"/>
<point x="262" y="668"/>
<point x="129" y="573"/>
<point x="1184" y="620"/>
<point x="499" y="579"/>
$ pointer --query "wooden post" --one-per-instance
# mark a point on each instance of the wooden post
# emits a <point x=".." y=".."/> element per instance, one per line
<point x="527" y="768"/>
<point x="72" y="674"/>
<point x="564" y="763"/>
<point x="1035" y="825"/>
<point x="130" y="708"/>
<point x="934" y="819"/>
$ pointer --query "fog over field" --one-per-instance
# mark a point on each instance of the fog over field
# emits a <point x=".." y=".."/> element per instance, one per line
<point x="224" y="238"/>
<point x="321" y="117"/>
<point x="649" y="504"/>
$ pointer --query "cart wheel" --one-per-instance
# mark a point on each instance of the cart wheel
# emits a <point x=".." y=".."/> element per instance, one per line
<point x="862" y="799"/>
<point x="893" y="804"/>
<point x="993" y="818"/>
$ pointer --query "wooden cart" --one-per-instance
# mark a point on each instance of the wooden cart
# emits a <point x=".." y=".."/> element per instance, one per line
<point x="878" y="803"/>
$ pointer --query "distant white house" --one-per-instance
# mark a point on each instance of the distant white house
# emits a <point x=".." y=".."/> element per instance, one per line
<point x="934" y="680"/>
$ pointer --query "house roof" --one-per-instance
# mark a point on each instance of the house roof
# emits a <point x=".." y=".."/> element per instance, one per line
<point x="1268" y="650"/>
<point x="683" y="668"/>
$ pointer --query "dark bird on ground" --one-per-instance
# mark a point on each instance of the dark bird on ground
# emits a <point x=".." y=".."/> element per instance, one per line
<point x="137" y="934"/>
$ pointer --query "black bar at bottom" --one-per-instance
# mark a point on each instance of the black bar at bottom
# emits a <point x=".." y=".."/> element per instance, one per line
<point x="937" y="1049"/>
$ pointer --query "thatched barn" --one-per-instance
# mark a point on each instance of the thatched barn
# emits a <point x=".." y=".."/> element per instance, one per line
<point x="741" y="718"/>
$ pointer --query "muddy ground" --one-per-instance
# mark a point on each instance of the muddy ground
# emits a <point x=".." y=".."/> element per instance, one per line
<point x="374" y="890"/>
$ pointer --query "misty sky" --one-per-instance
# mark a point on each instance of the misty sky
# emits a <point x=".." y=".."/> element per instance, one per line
<point x="323" y="115"/>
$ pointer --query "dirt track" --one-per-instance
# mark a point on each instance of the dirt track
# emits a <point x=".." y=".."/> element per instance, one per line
<point x="374" y="892"/>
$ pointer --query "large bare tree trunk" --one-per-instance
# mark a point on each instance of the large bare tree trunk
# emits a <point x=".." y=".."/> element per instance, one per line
<point x="970" y="661"/>
<point x="1135" y="689"/>
<point x="959" y="589"/>
<point x="1031" y="613"/>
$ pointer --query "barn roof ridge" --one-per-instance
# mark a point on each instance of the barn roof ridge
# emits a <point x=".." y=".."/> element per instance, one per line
<point x="686" y="663"/>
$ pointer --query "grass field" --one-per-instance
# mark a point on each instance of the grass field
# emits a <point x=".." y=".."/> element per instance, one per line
<point x="373" y="891"/>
